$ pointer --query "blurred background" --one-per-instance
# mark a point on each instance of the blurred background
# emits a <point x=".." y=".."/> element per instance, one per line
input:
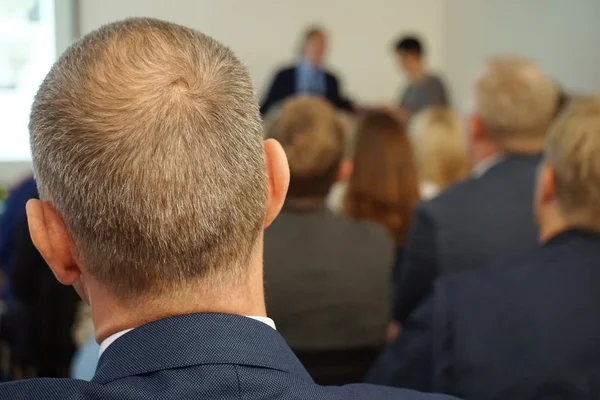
<point x="561" y="35"/>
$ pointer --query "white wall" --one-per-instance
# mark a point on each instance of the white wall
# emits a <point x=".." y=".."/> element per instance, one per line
<point x="19" y="166"/>
<point x="563" y="36"/>
<point x="265" y="33"/>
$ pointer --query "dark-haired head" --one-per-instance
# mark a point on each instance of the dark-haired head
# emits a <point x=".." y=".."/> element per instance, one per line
<point x="410" y="51"/>
<point x="409" y="44"/>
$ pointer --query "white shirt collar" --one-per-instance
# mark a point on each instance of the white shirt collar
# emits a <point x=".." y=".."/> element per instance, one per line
<point x="486" y="164"/>
<point x="112" y="338"/>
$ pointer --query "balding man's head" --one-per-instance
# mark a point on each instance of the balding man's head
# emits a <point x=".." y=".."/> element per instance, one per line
<point x="146" y="139"/>
<point x="515" y="102"/>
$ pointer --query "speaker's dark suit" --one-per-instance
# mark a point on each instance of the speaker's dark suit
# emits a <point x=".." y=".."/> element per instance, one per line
<point x="470" y="225"/>
<point x="521" y="329"/>
<point x="199" y="356"/>
<point x="284" y="86"/>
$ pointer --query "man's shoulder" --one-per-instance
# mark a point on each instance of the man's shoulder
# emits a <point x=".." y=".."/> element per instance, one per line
<point x="362" y="231"/>
<point x="50" y="389"/>
<point x="330" y="74"/>
<point x="491" y="186"/>
<point x="375" y="392"/>
<point x="71" y="389"/>
<point x="285" y="71"/>
<point x="492" y="281"/>
<point x="456" y="194"/>
<point x="435" y="80"/>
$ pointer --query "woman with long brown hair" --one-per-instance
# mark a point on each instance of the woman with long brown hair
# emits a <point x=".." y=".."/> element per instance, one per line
<point x="384" y="186"/>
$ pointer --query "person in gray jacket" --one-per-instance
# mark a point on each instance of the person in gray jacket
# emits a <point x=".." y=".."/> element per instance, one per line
<point x="327" y="277"/>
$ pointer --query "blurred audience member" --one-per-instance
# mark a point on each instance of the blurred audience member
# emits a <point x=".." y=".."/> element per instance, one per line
<point x="327" y="276"/>
<point x="489" y="215"/>
<point x="526" y="327"/>
<point x="424" y="89"/>
<point x="440" y="145"/>
<point x="308" y="76"/>
<point x="41" y="317"/>
<point x="12" y="216"/>
<point x="383" y="186"/>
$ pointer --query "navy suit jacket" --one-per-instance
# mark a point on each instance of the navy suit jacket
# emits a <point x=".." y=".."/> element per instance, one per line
<point x="469" y="225"/>
<point x="284" y="86"/>
<point x="199" y="356"/>
<point x="520" y="329"/>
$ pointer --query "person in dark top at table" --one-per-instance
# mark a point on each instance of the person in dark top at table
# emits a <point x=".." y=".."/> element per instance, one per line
<point x="327" y="276"/>
<point x="424" y="88"/>
<point x="526" y="327"/>
<point x="488" y="215"/>
<point x="307" y="76"/>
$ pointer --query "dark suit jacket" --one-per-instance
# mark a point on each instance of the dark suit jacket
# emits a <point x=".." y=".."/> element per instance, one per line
<point x="284" y="86"/>
<point x="327" y="280"/>
<point x="520" y="329"/>
<point x="467" y="226"/>
<point x="198" y="356"/>
<point x="327" y="284"/>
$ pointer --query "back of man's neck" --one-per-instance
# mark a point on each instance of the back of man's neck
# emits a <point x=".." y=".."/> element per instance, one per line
<point x="523" y="143"/>
<point x="112" y="316"/>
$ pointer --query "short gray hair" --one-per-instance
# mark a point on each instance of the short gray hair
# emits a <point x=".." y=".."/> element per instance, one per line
<point x="573" y="151"/>
<point x="147" y="139"/>
<point x="515" y="99"/>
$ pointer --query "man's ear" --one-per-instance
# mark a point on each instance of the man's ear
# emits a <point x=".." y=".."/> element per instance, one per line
<point x="545" y="185"/>
<point x="476" y="129"/>
<point x="49" y="235"/>
<point x="345" y="171"/>
<point x="278" y="179"/>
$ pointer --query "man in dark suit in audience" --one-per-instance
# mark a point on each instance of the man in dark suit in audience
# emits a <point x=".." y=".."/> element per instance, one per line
<point x="526" y="327"/>
<point x="308" y="76"/>
<point x="327" y="277"/>
<point x="489" y="215"/>
<point x="155" y="191"/>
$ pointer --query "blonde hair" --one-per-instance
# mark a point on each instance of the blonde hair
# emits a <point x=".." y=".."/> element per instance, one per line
<point x="310" y="131"/>
<point x="515" y="100"/>
<point x="439" y="141"/>
<point x="146" y="138"/>
<point x="383" y="187"/>
<point x="573" y="152"/>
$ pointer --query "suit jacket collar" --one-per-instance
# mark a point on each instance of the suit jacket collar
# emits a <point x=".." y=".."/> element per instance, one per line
<point x="500" y="161"/>
<point x="196" y="339"/>
<point x="571" y="235"/>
